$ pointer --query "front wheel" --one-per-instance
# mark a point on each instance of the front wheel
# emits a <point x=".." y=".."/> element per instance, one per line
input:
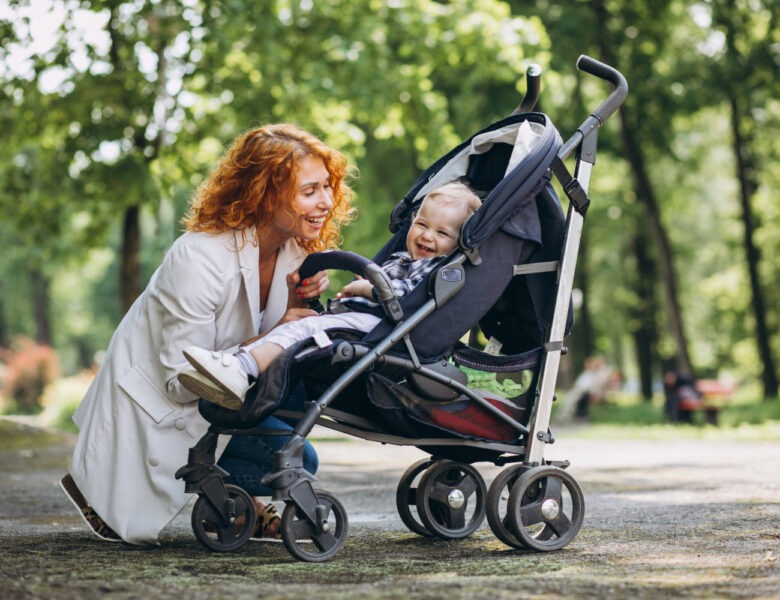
<point x="315" y="542"/>
<point x="221" y="534"/>
<point x="498" y="505"/>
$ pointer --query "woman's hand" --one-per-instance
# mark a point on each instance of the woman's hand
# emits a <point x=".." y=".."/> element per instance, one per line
<point x="358" y="287"/>
<point x="300" y="291"/>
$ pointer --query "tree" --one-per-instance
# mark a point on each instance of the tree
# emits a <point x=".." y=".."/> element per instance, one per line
<point x="142" y="104"/>
<point x="747" y="73"/>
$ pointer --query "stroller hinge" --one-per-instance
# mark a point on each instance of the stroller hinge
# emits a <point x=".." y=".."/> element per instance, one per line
<point x="555" y="346"/>
<point x="412" y="353"/>
<point x="571" y="187"/>
<point x="534" y="268"/>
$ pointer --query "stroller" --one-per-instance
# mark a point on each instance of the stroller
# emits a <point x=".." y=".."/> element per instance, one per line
<point x="422" y="377"/>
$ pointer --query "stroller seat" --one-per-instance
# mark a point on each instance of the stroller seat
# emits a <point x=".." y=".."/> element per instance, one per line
<point x="430" y="373"/>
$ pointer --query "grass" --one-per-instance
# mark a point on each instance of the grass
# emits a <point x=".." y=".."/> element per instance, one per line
<point x="743" y="417"/>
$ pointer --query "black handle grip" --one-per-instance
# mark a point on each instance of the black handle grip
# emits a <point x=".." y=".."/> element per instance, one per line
<point x="332" y="259"/>
<point x="349" y="261"/>
<point x="604" y="71"/>
<point x="533" y="85"/>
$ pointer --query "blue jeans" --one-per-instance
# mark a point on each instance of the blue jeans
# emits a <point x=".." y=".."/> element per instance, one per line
<point x="248" y="457"/>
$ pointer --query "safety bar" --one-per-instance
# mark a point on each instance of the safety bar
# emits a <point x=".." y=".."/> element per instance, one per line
<point x="349" y="261"/>
<point x="605" y="110"/>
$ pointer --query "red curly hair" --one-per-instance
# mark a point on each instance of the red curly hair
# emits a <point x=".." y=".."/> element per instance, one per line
<point x="256" y="178"/>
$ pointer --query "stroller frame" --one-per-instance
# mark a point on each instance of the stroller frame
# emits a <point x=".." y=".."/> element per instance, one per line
<point x="534" y="515"/>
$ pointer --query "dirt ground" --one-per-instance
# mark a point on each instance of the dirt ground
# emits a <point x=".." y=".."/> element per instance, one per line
<point x="664" y="519"/>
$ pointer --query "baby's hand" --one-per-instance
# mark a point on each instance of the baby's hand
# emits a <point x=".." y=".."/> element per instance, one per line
<point x="359" y="287"/>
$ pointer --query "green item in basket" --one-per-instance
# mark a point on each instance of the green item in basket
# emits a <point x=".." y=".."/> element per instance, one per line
<point x="508" y="388"/>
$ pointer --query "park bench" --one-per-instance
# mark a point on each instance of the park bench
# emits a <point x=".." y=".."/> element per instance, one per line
<point x="713" y="394"/>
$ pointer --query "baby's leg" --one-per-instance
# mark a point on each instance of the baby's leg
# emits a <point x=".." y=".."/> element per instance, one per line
<point x="284" y="336"/>
<point x="264" y="354"/>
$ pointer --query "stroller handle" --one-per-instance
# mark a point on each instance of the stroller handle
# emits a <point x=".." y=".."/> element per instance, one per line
<point x="604" y="111"/>
<point x="533" y="84"/>
<point x="603" y="71"/>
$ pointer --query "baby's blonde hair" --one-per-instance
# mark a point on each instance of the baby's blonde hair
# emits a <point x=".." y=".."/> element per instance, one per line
<point x="456" y="192"/>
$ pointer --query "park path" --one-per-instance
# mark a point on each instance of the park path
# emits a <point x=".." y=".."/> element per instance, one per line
<point x="691" y="518"/>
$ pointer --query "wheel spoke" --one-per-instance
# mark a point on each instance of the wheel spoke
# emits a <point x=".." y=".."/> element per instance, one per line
<point x="531" y="514"/>
<point x="324" y="541"/>
<point x="209" y="514"/>
<point x="456" y="519"/>
<point x="560" y="524"/>
<point x="545" y="534"/>
<point x="241" y="505"/>
<point x="411" y="496"/>
<point x="468" y="486"/>
<point x="553" y="488"/>
<point x="302" y="529"/>
<point x="440" y="492"/>
<point x="226" y="534"/>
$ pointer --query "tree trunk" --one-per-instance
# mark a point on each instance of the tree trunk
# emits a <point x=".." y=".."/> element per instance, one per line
<point x="747" y="187"/>
<point x="130" y="269"/>
<point x="646" y="195"/>
<point x="39" y="289"/>
<point x="4" y="336"/>
<point x="645" y="334"/>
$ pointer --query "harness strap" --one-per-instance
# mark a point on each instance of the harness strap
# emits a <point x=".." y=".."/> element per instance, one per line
<point x="571" y="186"/>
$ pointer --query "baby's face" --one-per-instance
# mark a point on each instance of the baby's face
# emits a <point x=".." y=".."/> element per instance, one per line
<point x="435" y="229"/>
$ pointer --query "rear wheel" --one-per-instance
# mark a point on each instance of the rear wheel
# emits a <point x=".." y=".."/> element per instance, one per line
<point x="406" y="497"/>
<point x="451" y="499"/>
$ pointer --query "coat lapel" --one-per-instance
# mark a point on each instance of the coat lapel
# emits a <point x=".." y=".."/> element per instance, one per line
<point x="248" y="258"/>
<point x="288" y="260"/>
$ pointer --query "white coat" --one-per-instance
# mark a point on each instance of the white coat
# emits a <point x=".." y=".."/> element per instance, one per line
<point x="136" y="422"/>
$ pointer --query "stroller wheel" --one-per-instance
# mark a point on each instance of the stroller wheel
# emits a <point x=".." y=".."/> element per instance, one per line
<point x="297" y="529"/>
<point x="497" y="508"/>
<point x="214" y="532"/>
<point x="451" y="499"/>
<point x="546" y="508"/>
<point x="406" y="496"/>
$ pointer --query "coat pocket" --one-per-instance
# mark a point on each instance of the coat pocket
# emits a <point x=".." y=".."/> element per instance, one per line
<point x="140" y="388"/>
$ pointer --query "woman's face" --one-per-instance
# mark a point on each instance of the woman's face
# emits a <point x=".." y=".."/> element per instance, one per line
<point x="312" y="201"/>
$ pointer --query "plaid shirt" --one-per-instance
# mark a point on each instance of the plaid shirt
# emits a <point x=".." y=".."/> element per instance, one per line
<point x="405" y="274"/>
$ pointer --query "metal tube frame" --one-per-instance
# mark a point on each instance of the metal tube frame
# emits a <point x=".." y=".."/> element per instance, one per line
<point x="540" y="417"/>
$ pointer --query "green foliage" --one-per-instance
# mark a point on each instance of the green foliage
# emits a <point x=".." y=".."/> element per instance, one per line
<point x="132" y="102"/>
<point x="61" y="398"/>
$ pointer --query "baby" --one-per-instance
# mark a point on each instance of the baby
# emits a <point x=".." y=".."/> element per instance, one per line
<point x="224" y="378"/>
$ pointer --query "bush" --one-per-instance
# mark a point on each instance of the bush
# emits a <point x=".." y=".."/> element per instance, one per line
<point x="29" y="368"/>
<point x="62" y="397"/>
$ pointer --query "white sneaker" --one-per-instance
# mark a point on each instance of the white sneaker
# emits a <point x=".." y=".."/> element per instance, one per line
<point x="204" y="388"/>
<point x="221" y="368"/>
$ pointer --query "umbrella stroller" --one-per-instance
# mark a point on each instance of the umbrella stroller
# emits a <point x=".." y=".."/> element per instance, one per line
<point x="422" y="376"/>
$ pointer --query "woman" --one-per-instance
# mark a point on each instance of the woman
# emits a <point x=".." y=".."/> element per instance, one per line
<point x="277" y="194"/>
